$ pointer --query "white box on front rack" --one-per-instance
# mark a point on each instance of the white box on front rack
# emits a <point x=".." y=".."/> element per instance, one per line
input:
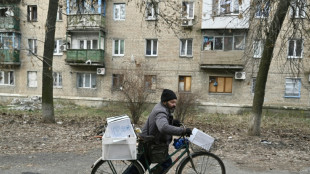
<point x="119" y="148"/>
<point x="201" y="139"/>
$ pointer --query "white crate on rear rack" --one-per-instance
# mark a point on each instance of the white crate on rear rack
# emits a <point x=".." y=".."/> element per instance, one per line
<point x="119" y="140"/>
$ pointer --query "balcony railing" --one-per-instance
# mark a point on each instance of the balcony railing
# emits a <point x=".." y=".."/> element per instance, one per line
<point x="8" y="56"/>
<point x="85" y="21"/>
<point x="85" y="57"/>
<point x="222" y="58"/>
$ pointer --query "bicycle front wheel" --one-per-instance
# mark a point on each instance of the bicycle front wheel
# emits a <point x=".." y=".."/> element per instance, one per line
<point x="117" y="166"/>
<point x="202" y="163"/>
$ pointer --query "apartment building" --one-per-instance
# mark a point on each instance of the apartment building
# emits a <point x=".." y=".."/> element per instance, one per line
<point x="199" y="48"/>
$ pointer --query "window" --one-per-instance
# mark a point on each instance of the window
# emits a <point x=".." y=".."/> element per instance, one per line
<point x="86" y="80"/>
<point x="88" y="44"/>
<point x="117" y="81"/>
<point x="57" y="79"/>
<point x="258" y="48"/>
<point x="32" y="79"/>
<point x="186" y="47"/>
<point x="119" y="11"/>
<point x="185" y="83"/>
<point x="9" y="40"/>
<point x="292" y="87"/>
<point x="150" y="82"/>
<point x="59" y="13"/>
<point x="295" y="48"/>
<point x="220" y="84"/>
<point x="253" y="85"/>
<point x="58" y="47"/>
<point x="118" y="47"/>
<point x="224" y="7"/>
<point x="151" y="11"/>
<point x="6" y="77"/>
<point x="6" y="12"/>
<point x="32" y="44"/>
<point x="225" y="43"/>
<point x="262" y="8"/>
<point x="188" y="10"/>
<point x="151" y="47"/>
<point x="32" y="13"/>
<point x="298" y="9"/>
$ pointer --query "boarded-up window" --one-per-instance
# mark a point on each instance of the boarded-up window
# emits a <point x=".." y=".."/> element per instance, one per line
<point x="185" y="83"/>
<point x="150" y="82"/>
<point x="32" y="79"/>
<point x="220" y="85"/>
<point x="117" y="81"/>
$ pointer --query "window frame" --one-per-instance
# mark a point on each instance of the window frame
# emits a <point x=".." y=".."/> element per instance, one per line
<point x="59" y="16"/>
<point x="32" y="13"/>
<point x="88" y="44"/>
<point x="186" y="47"/>
<point x="298" y="80"/>
<point x="118" y="6"/>
<point x="258" y="45"/>
<point x="34" y="82"/>
<point x="57" y="79"/>
<point x="82" y="76"/>
<point x="215" y="81"/>
<point x="261" y="13"/>
<point x="8" y="76"/>
<point x="295" y="48"/>
<point x="232" y="7"/>
<point x="152" y="47"/>
<point x="184" y="87"/>
<point x="117" y="81"/>
<point x="153" y="11"/>
<point x="32" y="46"/>
<point x="120" y="41"/>
<point x="190" y="5"/>
<point x="253" y="85"/>
<point x="57" y="47"/>
<point x="213" y="39"/>
<point x="150" y="82"/>
<point x="296" y="14"/>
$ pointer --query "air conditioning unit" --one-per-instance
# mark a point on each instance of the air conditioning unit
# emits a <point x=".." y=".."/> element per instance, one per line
<point x="240" y="75"/>
<point x="187" y="22"/>
<point x="63" y="47"/>
<point x="101" y="71"/>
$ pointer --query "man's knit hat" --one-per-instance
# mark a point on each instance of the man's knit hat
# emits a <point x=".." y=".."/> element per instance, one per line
<point x="167" y="95"/>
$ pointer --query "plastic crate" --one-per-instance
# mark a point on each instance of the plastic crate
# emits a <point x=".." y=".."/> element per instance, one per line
<point x="201" y="139"/>
<point x="119" y="148"/>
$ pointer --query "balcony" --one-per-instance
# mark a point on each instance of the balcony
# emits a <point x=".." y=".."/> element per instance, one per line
<point x="222" y="59"/>
<point x="85" y="21"/>
<point x="9" y="57"/>
<point x="85" y="57"/>
<point x="9" y="19"/>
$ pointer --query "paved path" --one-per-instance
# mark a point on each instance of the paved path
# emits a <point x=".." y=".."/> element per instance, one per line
<point x="80" y="163"/>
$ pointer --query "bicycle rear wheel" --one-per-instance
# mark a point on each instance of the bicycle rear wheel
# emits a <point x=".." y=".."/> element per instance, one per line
<point x="117" y="166"/>
<point x="202" y="163"/>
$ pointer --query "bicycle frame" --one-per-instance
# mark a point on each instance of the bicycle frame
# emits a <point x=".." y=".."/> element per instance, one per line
<point x="184" y="148"/>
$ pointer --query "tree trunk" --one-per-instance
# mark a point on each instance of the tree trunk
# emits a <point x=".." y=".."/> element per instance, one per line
<point x="47" y="76"/>
<point x="271" y="37"/>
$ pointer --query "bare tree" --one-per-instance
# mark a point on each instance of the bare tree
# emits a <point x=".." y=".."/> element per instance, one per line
<point x="185" y="104"/>
<point x="47" y="78"/>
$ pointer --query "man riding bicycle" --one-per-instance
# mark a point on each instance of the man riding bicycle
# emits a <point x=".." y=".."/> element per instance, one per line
<point x="161" y="125"/>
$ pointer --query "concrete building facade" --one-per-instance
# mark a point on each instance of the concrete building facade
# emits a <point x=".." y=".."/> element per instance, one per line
<point x="195" y="46"/>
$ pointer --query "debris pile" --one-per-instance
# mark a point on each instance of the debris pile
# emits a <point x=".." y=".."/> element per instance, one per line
<point x="26" y="104"/>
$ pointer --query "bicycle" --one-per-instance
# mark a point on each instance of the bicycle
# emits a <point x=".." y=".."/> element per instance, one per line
<point x="197" y="162"/>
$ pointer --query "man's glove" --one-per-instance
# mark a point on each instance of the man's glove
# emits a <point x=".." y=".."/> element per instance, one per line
<point x="176" y="123"/>
<point x="188" y="132"/>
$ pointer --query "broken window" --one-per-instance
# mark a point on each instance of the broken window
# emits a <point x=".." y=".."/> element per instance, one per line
<point x="225" y="7"/>
<point x="58" y="48"/>
<point x="258" y="48"/>
<point x="186" y="47"/>
<point x="226" y="43"/>
<point x="151" y="11"/>
<point x="295" y="48"/>
<point x="150" y="82"/>
<point x="185" y="83"/>
<point x="32" y="79"/>
<point x="262" y="8"/>
<point x="298" y="8"/>
<point x="57" y="79"/>
<point x="188" y="10"/>
<point x="253" y="85"/>
<point x="6" y="77"/>
<point x="151" y="47"/>
<point x="292" y="87"/>
<point x="59" y="13"/>
<point x="86" y="80"/>
<point x="117" y="81"/>
<point x="119" y="11"/>
<point x="9" y="40"/>
<point x="84" y="6"/>
<point x="220" y="84"/>
<point x="32" y="13"/>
